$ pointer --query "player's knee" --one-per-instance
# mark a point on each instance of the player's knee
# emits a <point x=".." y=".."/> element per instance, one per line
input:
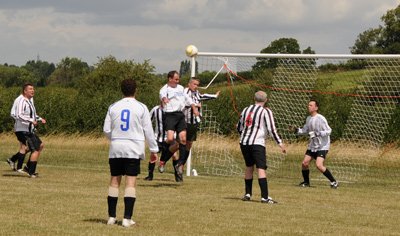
<point x="305" y="164"/>
<point x="130" y="192"/>
<point x="170" y="140"/>
<point x="113" y="191"/>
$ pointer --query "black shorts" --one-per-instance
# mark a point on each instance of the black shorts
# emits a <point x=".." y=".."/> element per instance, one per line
<point x="191" y="132"/>
<point x="174" y="121"/>
<point x="124" y="166"/>
<point x="314" y="155"/>
<point x="29" y="139"/>
<point x="254" y="155"/>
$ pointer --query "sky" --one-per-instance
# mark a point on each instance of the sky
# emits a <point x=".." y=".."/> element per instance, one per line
<point x="160" y="30"/>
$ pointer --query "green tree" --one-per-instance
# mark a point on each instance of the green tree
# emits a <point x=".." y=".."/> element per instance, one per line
<point x="282" y="45"/>
<point x="16" y="76"/>
<point x="41" y="70"/>
<point x="69" y="72"/>
<point x="101" y="88"/>
<point x="184" y="68"/>
<point x="383" y="39"/>
<point x="366" y="42"/>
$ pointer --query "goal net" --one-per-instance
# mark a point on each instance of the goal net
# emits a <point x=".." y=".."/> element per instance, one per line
<point x="358" y="94"/>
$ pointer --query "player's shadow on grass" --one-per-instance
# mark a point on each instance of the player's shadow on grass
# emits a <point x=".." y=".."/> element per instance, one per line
<point x="12" y="174"/>
<point x="235" y="199"/>
<point x="160" y="185"/>
<point x="96" y="220"/>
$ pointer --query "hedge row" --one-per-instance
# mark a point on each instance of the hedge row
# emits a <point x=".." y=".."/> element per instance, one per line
<point x="69" y="110"/>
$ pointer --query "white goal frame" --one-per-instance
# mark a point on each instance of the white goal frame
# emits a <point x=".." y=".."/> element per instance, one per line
<point x="279" y="56"/>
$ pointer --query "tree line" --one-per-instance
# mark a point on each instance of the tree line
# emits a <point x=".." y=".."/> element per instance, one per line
<point x="75" y="95"/>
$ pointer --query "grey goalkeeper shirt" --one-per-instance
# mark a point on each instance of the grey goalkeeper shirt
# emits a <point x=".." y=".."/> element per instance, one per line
<point x="319" y="132"/>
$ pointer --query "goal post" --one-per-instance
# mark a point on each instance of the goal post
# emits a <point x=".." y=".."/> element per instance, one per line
<point x="359" y="96"/>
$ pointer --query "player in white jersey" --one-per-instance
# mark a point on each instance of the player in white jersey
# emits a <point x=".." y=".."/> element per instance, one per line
<point x="128" y="126"/>
<point x="191" y="122"/>
<point x="317" y="128"/>
<point x="174" y="101"/>
<point x="20" y="155"/>
<point x="166" y="150"/>
<point x="255" y="123"/>
<point x="26" y="118"/>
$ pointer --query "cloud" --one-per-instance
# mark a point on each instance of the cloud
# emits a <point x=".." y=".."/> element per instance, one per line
<point x="160" y="30"/>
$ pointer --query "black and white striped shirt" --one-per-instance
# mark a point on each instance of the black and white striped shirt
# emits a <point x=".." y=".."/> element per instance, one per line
<point x="25" y="115"/>
<point x="156" y="115"/>
<point x="255" y="123"/>
<point x="197" y="97"/>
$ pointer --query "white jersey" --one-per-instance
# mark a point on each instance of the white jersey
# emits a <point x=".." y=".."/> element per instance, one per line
<point x="255" y="123"/>
<point x="178" y="99"/>
<point x="14" y="109"/>
<point x="24" y="113"/>
<point x="197" y="97"/>
<point x="320" y="136"/>
<point x="156" y="115"/>
<point x="128" y="125"/>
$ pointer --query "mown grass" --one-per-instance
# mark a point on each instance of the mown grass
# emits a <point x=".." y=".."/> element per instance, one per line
<point x="69" y="198"/>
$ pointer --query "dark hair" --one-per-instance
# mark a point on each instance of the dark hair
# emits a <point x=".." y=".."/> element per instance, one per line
<point x="172" y="73"/>
<point x="316" y="102"/>
<point x="26" y="85"/>
<point x="128" y="87"/>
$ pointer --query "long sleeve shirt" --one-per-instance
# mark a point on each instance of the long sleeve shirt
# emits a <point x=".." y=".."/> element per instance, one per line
<point x="319" y="131"/>
<point x="197" y="97"/>
<point x="24" y="113"/>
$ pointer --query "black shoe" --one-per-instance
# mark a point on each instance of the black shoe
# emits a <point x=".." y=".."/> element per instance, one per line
<point x="304" y="184"/>
<point x="149" y="178"/>
<point x="178" y="172"/>
<point x="178" y="178"/>
<point x="246" y="197"/>
<point x="26" y="169"/>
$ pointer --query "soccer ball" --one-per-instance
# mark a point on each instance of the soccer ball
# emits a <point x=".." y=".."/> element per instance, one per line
<point x="191" y="51"/>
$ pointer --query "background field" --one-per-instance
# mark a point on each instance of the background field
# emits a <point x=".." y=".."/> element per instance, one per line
<point x="69" y="198"/>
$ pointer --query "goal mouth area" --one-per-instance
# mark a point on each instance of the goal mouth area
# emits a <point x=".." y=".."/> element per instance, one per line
<point x="359" y="95"/>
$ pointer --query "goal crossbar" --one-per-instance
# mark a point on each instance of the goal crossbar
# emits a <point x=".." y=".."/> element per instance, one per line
<point x="303" y="56"/>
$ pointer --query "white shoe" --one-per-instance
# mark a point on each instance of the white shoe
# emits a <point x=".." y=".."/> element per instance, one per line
<point x="335" y="184"/>
<point x="128" y="222"/>
<point x="21" y="171"/>
<point x="111" y="221"/>
<point x="11" y="163"/>
<point x="269" y="200"/>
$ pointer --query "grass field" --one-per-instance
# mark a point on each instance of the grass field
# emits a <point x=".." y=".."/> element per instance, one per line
<point x="69" y="198"/>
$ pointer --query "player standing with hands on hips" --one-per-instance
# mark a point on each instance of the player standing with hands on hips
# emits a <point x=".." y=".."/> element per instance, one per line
<point x="255" y="123"/>
<point x="127" y="125"/>
<point x="174" y="102"/>
<point x="319" y="131"/>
